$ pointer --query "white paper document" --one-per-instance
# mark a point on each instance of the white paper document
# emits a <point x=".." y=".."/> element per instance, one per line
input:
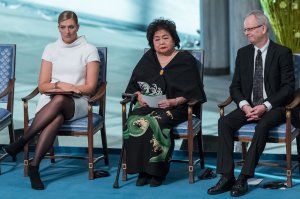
<point x="152" y="101"/>
<point x="254" y="181"/>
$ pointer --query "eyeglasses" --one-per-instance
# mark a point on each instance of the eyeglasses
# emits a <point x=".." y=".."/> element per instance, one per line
<point x="251" y="29"/>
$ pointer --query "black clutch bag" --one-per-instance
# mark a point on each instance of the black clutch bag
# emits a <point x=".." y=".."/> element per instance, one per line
<point x="61" y="92"/>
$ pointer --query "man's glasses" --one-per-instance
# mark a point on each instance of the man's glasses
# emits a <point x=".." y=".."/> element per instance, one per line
<point x="251" y="29"/>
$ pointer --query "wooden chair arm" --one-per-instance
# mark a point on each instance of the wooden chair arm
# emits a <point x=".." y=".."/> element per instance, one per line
<point x="295" y="102"/>
<point x="192" y="102"/>
<point x="99" y="94"/>
<point x="225" y="103"/>
<point x="125" y="101"/>
<point x="31" y="95"/>
<point x="288" y="114"/>
<point x="8" y="89"/>
<point x="128" y="97"/>
<point x="25" y="105"/>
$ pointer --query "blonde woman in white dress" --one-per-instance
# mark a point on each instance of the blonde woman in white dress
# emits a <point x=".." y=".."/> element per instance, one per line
<point x="68" y="64"/>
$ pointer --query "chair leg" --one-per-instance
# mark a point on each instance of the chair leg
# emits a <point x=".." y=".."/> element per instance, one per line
<point x="200" y="149"/>
<point x="51" y="153"/>
<point x="90" y="156"/>
<point x="0" y="166"/>
<point x="124" y="166"/>
<point x="289" y="163"/>
<point x="298" y="150"/>
<point x="26" y="159"/>
<point x="12" y="136"/>
<point x="11" y="133"/>
<point x="191" y="162"/>
<point x="91" y="171"/>
<point x="104" y="145"/>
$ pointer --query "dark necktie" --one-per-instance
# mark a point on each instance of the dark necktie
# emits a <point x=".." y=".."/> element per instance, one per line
<point x="258" y="80"/>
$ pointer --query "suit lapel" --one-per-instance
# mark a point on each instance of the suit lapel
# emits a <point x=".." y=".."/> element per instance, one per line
<point x="251" y="63"/>
<point x="269" y="57"/>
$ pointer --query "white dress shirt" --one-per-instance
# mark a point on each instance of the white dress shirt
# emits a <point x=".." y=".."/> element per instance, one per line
<point x="263" y="50"/>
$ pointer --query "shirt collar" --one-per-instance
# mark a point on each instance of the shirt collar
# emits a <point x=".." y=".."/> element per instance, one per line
<point x="79" y="41"/>
<point x="264" y="48"/>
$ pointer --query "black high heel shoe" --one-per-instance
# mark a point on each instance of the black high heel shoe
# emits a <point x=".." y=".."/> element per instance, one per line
<point x="35" y="179"/>
<point x="15" y="148"/>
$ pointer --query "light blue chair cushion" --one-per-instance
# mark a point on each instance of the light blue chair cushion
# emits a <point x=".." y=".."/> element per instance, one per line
<point x="249" y="129"/>
<point x="182" y="128"/>
<point x="80" y="125"/>
<point x="5" y="117"/>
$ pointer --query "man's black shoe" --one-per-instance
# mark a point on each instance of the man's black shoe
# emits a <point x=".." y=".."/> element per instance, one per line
<point x="222" y="186"/>
<point x="239" y="188"/>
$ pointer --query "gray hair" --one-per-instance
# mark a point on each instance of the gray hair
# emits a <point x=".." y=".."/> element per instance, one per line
<point x="260" y="17"/>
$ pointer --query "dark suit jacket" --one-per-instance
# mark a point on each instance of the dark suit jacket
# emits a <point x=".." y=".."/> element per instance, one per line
<point x="278" y="75"/>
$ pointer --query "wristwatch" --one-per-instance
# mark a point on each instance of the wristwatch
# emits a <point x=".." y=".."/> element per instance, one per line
<point x="265" y="107"/>
<point x="55" y="85"/>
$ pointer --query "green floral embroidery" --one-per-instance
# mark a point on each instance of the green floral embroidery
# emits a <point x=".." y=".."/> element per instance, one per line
<point x="138" y="125"/>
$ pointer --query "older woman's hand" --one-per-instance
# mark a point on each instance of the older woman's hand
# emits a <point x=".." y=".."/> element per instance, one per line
<point x="167" y="103"/>
<point x="171" y="102"/>
<point x="140" y="99"/>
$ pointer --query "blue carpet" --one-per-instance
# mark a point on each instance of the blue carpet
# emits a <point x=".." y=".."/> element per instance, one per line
<point x="68" y="178"/>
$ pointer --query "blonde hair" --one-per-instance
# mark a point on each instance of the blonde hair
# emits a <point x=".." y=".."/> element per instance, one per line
<point x="65" y="15"/>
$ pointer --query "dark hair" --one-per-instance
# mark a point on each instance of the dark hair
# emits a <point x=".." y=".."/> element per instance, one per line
<point x="159" y="24"/>
<point x="65" y="15"/>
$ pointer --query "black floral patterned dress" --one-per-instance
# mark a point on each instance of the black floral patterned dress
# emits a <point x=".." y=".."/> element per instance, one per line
<point x="147" y="139"/>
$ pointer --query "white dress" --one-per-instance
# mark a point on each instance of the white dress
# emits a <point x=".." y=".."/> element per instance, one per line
<point x="69" y="65"/>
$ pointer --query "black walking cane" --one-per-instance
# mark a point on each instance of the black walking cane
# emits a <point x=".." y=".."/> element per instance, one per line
<point x="116" y="183"/>
<point x="132" y="98"/>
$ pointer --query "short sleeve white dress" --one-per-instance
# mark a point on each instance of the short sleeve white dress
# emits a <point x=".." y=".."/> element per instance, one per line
<point x="69" y="65"/>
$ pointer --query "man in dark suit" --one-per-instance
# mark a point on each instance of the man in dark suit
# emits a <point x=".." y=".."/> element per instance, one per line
<point x="263" y="83"/>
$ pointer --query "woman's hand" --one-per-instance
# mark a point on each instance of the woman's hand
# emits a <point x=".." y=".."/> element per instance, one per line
<point x="140" y="99"/>
<point x="45" y="80"/>
<point x="68" y="87"/>
<point x="167" y="103"/>
<point x="171" y="102"/>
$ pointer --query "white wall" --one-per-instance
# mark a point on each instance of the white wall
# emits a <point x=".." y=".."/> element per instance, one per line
<point x="185" y="13"/>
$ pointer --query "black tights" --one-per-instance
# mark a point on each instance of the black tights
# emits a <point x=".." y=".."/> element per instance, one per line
<point x="47" y="122"/>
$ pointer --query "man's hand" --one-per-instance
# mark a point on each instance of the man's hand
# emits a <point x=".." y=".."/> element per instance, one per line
<point x="255" y="113"/>
<point x="247" y="109"/>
